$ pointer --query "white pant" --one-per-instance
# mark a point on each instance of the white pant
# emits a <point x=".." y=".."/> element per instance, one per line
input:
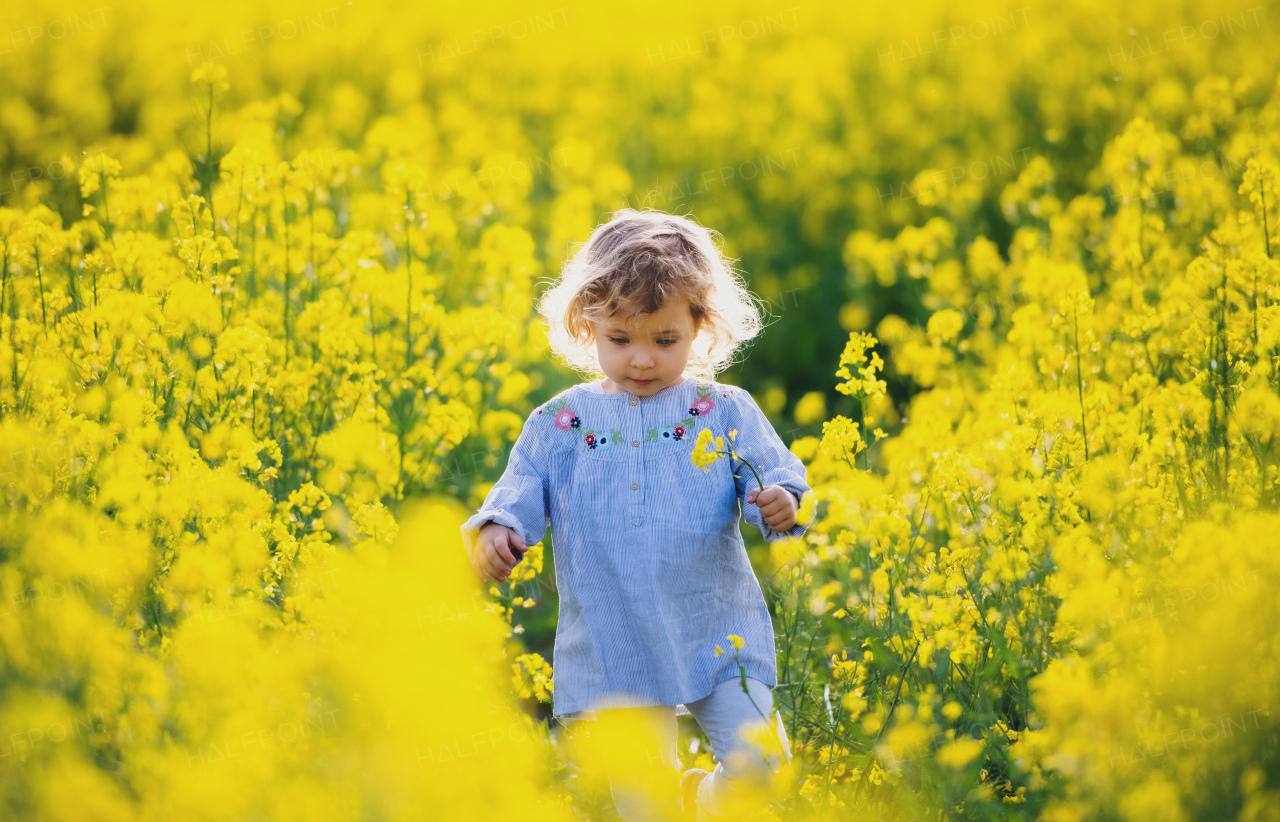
<point x="722" y="715"/>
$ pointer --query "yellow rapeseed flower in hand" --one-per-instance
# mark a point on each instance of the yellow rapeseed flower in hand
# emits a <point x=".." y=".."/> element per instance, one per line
<point x="708" y="448"/>
<point x="705" y="451"/>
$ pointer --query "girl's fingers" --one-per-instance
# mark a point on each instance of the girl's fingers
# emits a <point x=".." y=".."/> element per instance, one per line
<point x="499" y="549"/>
<point x="504" y="553"/>
<point x="782" y="502"/>
<point x="493" y="567"/>
<point x="782" y="523"/>
<point x="500" y="569"/>
<point x="771" y="496"/>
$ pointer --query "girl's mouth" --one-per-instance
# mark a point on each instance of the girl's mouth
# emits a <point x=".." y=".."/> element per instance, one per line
<point x="642" y="382"/>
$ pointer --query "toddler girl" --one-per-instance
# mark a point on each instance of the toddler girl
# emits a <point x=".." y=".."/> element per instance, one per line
<point x="650" y="565"/>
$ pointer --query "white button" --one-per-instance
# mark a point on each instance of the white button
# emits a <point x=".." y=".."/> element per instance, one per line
<point x="635" y="486"/>
<point x="633" y="400"/>
<point x="635" y="443"/>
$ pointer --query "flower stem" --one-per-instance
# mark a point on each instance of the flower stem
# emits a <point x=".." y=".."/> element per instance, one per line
<point x="742" y="677"/>
<point x="732" y="456"/>
<point x="1084" y="424"/>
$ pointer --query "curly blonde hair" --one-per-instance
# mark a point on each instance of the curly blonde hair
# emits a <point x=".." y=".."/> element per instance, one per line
<point x="632" y="265"/>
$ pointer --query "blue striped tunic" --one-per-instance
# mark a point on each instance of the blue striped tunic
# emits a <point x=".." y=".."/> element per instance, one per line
<point x="650" y="564"/>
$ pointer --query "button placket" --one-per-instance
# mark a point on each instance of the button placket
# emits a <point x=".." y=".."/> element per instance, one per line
<point x="635" y="425"/>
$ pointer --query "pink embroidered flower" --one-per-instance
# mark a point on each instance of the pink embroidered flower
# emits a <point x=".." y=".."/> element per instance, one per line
<point x="565" y="418"/>
<point x="702" y="407"/>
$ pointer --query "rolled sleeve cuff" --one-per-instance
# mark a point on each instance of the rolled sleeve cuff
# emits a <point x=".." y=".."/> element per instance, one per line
<point x="798" y="489"/>
<point x="752" y="514"/>
<point x="471" y="528"/>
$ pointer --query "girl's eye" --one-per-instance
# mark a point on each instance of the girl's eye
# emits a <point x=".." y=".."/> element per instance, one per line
<point x="665" y="341"/>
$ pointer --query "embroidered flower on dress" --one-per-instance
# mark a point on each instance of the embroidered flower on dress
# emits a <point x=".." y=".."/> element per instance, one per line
<point x="600" y="440"/>
<point x="670" y="433"/>
<point x="679" y="431"/>
<point x="566" y="419"/>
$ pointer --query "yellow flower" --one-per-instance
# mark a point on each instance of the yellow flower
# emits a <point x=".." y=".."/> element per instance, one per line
<point x="252" y="361"/>
<point x="841" y="438"/>
<point x="865" y="385"/>
<point x="705" y="450"/>
<point x="811" y="408"/>
<point x="215" y="74"/>
<point x="960" y="752"/>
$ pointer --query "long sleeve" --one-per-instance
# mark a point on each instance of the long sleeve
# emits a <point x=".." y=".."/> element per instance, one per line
<point x="759" y="443"/>
<point x="520" y="498"/>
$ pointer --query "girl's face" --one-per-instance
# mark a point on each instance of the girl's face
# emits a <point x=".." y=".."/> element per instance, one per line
<point x="647" y="352"/>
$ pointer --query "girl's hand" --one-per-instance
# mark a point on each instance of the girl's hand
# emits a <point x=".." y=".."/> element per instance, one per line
<point x="777" y="505"/>
<point x="498" y="549"/>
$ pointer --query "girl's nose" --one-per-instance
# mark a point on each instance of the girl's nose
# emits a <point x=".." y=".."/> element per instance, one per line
<point x="642" y="358"/>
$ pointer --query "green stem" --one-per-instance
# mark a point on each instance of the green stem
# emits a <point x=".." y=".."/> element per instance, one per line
<point x="871" y="752"/>
<point x="742" y="677"/>
<point x="4" y="282"/>
<point x="732" y="456"/>
<point x="44" y="314"/>
<point x="208" y="161"/>
<point x="862" y="427"/>
<point x="284" y="213"/>
<point x="1224" y="370"/>
<point x="106" y="207"/>
<point x="1084" y="424"/>
<point x="408" y="271"/>
<point x="1262" y="189"/>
